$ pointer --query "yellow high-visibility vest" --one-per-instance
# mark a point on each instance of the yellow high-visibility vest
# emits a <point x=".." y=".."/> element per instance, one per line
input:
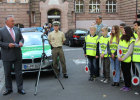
<point x="136" y="52"/>
<point x="103" y="45"/>
<point x="124" y="46"/>
<point x="136" y="35"/>
<point x="114" y="45"/>
<point x="91" y="45"/>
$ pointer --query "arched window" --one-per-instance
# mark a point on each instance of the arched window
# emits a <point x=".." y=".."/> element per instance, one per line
<point x="94" y="6"/>
<point x="79" y="6"/>
<point x="111" y="6"/>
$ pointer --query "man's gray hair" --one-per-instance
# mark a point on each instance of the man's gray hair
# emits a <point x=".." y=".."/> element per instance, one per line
<point x="100" y="17"/>
<point x="7" y="18"/>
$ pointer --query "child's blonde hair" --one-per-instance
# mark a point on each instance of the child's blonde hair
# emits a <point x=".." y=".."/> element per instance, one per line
<point x="105" y="28"/>
<point x="93" y="27"/>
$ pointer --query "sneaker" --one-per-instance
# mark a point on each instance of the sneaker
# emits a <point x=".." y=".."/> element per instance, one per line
<point x="106" y="81"/>
<point x="94" y="76"/>
<point x="113" y="84"/>
<point x="136" y="93"/>
<point x="117" y="84"/>
<point x="65" y="76"/>
<point x="122" y="88"/>
<point x="102" y="80"/>
<point x="126" y="89"/>
<point x="91" y="78"/>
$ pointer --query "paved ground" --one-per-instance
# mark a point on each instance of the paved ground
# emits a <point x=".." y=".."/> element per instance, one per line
<point x="77" y="86"/>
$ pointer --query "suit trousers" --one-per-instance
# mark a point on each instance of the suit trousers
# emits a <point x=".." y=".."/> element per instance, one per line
<point x="18" y="74"/>
<point x="58" y="52"/>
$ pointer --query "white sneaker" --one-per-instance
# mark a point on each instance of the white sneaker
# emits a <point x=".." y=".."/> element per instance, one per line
<point x="106" y="81"/>
<point x="102" y="80"/>
<point x="136" y="93"/>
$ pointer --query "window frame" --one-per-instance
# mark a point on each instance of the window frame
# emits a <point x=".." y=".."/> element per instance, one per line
<point x="79" y="5"/>
<point x="112" y="4"/>
<point x="96" y="6"/>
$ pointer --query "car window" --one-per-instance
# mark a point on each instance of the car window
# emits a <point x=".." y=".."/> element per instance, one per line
<point x="30" y="40"/>
<point x="81" y="31"/>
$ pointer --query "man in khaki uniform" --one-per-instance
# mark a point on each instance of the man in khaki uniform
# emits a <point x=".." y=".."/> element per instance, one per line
<point x="56" y="39"/>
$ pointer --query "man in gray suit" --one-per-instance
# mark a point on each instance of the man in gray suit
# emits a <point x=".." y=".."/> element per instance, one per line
<point x="11" y="41"/>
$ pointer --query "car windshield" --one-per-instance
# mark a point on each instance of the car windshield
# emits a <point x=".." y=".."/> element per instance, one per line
<point x="33" y="39"/>
<point x="33" y="29"/>
<point x="81" y="31"/>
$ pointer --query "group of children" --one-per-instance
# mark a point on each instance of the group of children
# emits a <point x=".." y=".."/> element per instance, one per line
<point x="118" y="50"/>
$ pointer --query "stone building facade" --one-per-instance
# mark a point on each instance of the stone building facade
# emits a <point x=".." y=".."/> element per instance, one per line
<point x="71" y="13"/>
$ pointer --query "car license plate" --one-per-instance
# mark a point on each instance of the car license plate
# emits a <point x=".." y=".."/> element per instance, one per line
<point x="82" y="36"/>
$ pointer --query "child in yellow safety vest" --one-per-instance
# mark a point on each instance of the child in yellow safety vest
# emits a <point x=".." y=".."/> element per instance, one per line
<point x="104" y="46"/>
<point x="125" y="49"/>
<point x="91" y="51"/>
<point x="114" y="62"/>
<point x="136" y="52"/>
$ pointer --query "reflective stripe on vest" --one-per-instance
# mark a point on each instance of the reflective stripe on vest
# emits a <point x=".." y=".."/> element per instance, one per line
<point x="113" y="46"/>
<point x="103" y="45"/>
<point x="124" y="46"/>
<point x="91" y="45"/>
<point x="136" y="52"/>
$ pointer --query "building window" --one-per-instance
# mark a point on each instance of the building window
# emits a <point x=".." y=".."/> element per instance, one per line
<point x="111" y="6"/>
<point x="79" y="6"/>
<point x="11" y="1"/>
<point x="94" y="6"/>
<point x="24" y="1"/>
<point x="33" y="17"/>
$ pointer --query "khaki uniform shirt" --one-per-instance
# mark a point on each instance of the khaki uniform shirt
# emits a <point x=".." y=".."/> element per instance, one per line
<point x="56" y="38"/>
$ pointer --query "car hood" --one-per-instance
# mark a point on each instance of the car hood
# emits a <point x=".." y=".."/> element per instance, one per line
<point x="30" y="52"/>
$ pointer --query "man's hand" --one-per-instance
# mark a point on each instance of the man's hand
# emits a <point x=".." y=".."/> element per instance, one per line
<point x="11" y="45"/>
<point x="120" y="59"/>
<point x="20" y="44"/>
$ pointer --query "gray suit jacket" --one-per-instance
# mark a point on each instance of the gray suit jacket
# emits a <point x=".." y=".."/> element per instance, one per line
<point x="10" y="54"/>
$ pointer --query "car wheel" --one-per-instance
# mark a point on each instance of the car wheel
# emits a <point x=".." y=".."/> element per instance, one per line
<point x="70" y="44"/>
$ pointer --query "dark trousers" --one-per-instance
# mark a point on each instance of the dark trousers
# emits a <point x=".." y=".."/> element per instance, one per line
<point x="92" y="66"/>
<point x="106" y="67"/>
<point x="98" y="67"/>
<point x="126" y="70"/>
<point x="18" y="74"/>
<point x="58" y="52"/>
